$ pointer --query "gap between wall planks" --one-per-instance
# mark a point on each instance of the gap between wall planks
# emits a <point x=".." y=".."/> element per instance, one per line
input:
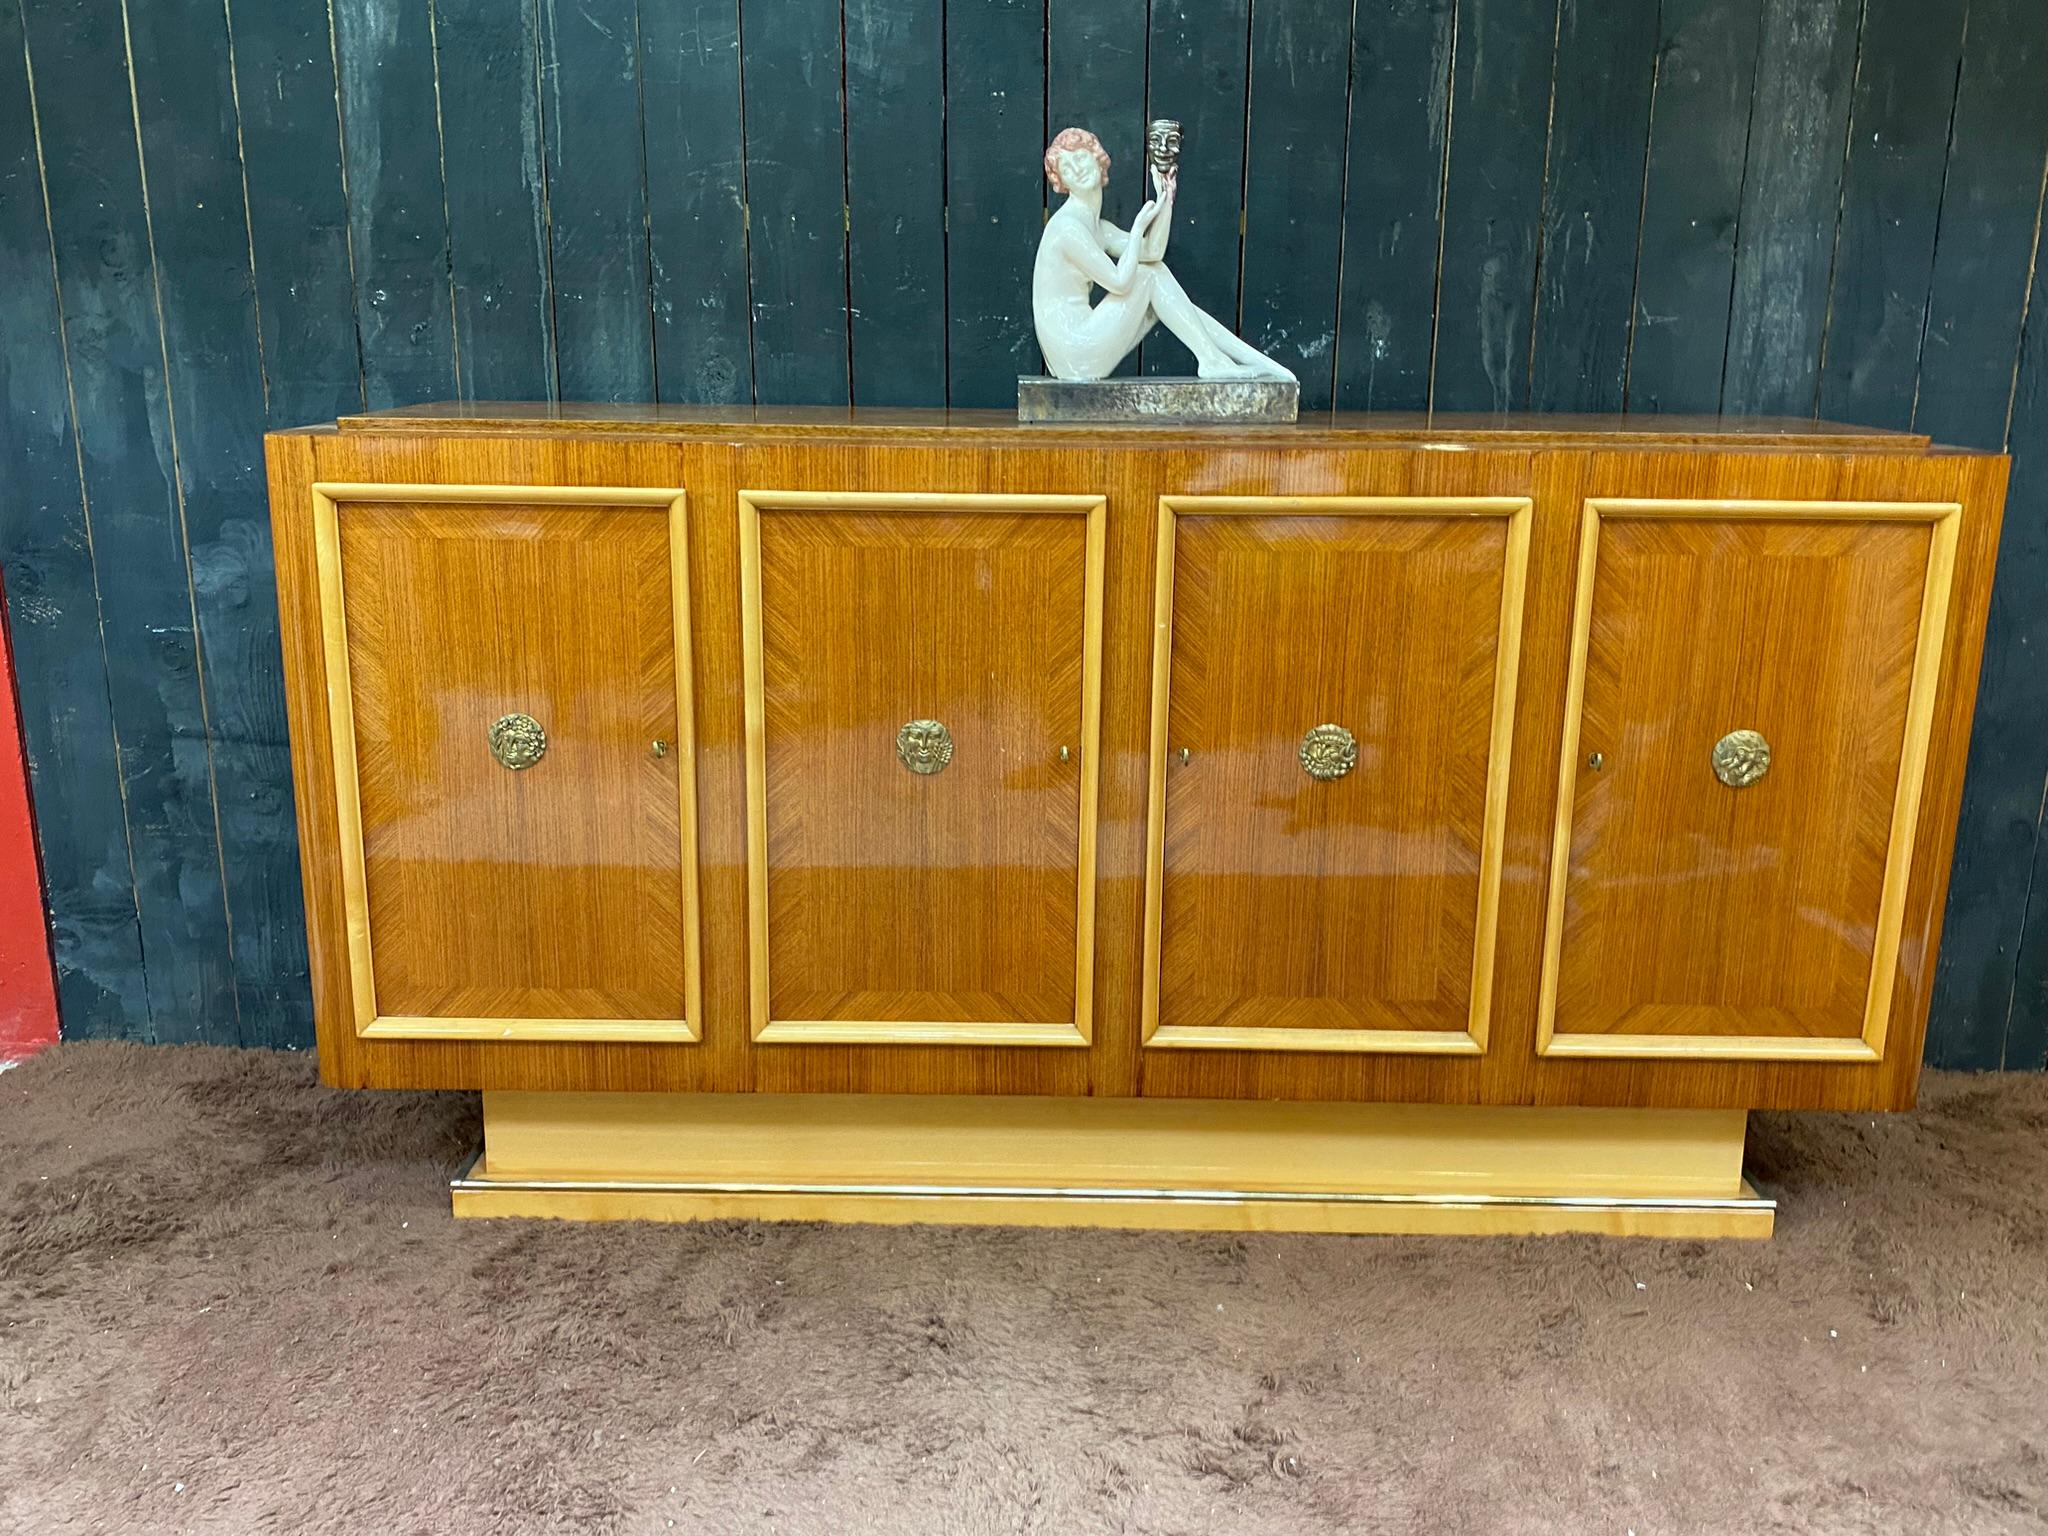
<point x="296" y="208"/>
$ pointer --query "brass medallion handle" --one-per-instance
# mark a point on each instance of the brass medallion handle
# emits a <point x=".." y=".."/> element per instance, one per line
<point x="1328" y="752"/>
<point x="517" y="741"/>
<point x="925" y="746"/>
<point x="1741" y="758"/>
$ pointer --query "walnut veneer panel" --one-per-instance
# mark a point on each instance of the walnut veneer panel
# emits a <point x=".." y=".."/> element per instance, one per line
<point x="1702" y="918"/>
<point x="1131" y="472"/>
<point x="1346" y="913"/>
<point x="552" y="900"/>
<point x="894" y="905"/>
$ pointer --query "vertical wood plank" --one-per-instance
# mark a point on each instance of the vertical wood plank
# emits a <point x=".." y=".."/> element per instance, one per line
<point x="2026" y="1038"/>
<point x="896" y="200"/>
<point x="793" y="66"/>
<point x="298" y="212"/>
<point x="283" y="90"/>
<point x="398" y="225"/>
<point x="1493" y="202"/>
<point x="1990" y="1007"/>
<point x="1975" y="1000"/>
<point x="696" y="201"/>
<point x="597" y="199"/>
<point x="185" y="97"/>
<point x="1393" y="203"/>
<point x="1990" y="203"/>
<point x="1790" y="199"/>
<point x="1294" y="190"/>
<point x="1095" y="79"/>
<point x="1899" y="119"/>
<point x="995" y="198"/>
<point x="497" y="199"/>
<point x="53" y="609"/>
<point x="1593" y="206"/>
<point x="115" y="349"/>
<point x="1692" y="203"/>
<point x="1197" y="56"/>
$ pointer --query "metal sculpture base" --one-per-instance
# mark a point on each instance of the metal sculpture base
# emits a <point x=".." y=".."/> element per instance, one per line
<point x="1170" y="401"/>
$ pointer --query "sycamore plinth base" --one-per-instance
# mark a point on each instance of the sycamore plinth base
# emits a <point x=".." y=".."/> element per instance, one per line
<point x="1161" y="1163"/>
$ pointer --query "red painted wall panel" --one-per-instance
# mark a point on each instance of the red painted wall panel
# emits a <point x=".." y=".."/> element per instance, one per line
<point x="28" y="993"/>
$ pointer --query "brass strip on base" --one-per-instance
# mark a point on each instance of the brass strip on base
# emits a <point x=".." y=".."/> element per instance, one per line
<point x="1160" y="1164"/>
<point x="1750" y="1216"/>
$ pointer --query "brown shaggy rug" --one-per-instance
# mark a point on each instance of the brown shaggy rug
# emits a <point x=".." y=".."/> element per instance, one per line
<point x="232" y="1300"/>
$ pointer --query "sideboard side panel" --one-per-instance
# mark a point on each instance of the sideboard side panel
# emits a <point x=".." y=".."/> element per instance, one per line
<point x="290" y="462"/>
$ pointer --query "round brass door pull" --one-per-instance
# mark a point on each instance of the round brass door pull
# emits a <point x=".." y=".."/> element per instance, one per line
<point x="1741" y="758"/>
<point x="1328" y="752"/>
<point x="925" y="746"/>
<point x="517" y="741"/>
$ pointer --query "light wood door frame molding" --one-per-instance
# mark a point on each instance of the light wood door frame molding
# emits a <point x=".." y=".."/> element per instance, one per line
<point x="1944" y="520"/>
<point x="328" y="497"/>
<point x="772" y="1031"/>
<point x="1472" y="1041"/>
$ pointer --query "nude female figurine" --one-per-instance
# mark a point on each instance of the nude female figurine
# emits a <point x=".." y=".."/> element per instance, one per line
<point x="1081" y="251"/>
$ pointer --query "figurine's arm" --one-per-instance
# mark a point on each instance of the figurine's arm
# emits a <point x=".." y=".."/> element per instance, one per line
<point x="1162" y="227"/>
<point x="1154" y="248"/>
<point x="1112" y="278"/>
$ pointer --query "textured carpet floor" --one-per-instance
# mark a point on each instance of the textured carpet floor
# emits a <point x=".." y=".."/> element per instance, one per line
<point x="232" y="1300"/>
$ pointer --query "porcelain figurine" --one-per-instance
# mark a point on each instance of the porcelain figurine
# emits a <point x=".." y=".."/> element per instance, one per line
<point x="1081" y="251"/>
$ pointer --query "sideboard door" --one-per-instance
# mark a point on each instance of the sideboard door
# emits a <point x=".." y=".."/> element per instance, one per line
<point x="508" y="686"/>
<point x="923" y="706"/>
<point x="1750" y="699"/>
<point x="1334" y="684"/>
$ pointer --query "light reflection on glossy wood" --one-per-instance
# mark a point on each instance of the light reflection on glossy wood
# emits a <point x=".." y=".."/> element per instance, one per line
<point x="1691" y="918"/>
<point x="896" y="907"/>
<point x="1316" y="429"/>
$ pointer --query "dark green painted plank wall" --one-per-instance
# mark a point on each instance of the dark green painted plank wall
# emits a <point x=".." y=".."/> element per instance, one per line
<point x="223" y="217"/>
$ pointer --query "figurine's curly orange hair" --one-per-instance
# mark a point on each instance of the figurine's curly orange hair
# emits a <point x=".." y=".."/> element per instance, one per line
<point x="1073" y="138"/>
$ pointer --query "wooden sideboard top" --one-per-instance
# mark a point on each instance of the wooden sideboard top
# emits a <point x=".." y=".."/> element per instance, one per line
<point x="1321" y="429"/>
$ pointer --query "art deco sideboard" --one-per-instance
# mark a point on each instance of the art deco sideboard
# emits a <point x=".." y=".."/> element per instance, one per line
<point x="1369" y="824"/>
